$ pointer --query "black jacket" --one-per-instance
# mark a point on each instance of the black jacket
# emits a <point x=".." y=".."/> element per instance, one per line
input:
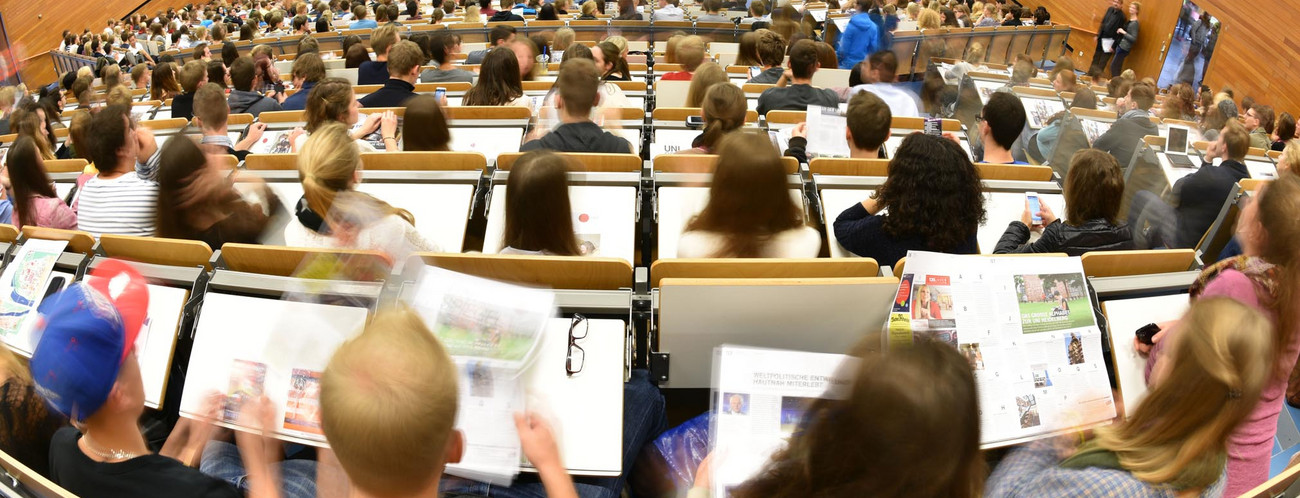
<point x="1110" y="24"/>
<point x="505" y="16"/>
<point x="580" y="137"/>
<point x="395" y="93"/>
<point x="1093" y="235"/>
<point x="1201" y="196"/>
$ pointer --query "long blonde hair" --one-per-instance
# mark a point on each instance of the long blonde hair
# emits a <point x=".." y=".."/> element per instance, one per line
<point x="1213" y="382"/>
<point x="328" y="164"/>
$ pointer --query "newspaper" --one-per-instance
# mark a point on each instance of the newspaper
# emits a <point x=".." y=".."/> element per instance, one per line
<point x="826" y="131"/>
<point x="23" y="286"/>
<point x="759" y="399"/>
<point x="273" y="142"/>
<point x="1027" y="327"/>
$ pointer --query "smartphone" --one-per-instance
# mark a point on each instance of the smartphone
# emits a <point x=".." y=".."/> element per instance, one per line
<point x="934" y="126"/>
<point x="1034" y="207"/>
<point x="754" y="71"/>
<point x="694" y="121"/>
<point x="57" y="283"/>
<point x="1147" y="333"/>
<point x="440" y="93"/>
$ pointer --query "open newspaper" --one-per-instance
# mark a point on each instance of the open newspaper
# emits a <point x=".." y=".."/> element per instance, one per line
<point x="492" y="331"/>
<point x="24" y="284"/>
<point x="826" y="132"/>
<point x="759" y="399"/>
<point x="1027" y="327"/>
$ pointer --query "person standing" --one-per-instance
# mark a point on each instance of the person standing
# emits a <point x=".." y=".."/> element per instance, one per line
<point x="1128" y="37"/>
<point x="1109" y="30"/>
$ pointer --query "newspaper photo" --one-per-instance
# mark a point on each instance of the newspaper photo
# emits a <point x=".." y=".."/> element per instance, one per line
<point x="23" y="286"/>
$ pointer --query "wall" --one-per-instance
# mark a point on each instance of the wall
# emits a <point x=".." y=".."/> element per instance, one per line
<point x="35" y="26"/>
<point x="1256" y="55"/>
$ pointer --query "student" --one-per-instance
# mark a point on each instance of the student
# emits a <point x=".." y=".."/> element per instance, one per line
<point x="669" y="11"/>
<point x="1177" y="440"/>
<point x="1283" y="132"/>
<point x="588" y="12"/>
<point x="28" y="119"/>
<point x="376" y="72"/>
<point x="506" y="13"/>
<point x="861" y="38"/>
<point x="707" y="75"/>
<point x="329" y="163"/>
<point x="526" y="52"/>
<point x="500" y="35"/>
<point x="1122" y="139"/>
<point x="1046" y="139"/>
<point x="35" y="201"/>
<point x="360" y="21"/>
<point x="723" y="109"/>
<point x="690" y="53"/>
<point x="355" y="56"/>
<point x="243" y="99"/>
<point x="29" y="421"/>
<point x="117" y="200"/>
<point x="628" y="11"/>
<point x="218" y="74"/>
<point x="98" y="385"/>
<point x="1259" y="120"/>
<point x="197" y="202"/>
<point x="749" y="213"/>
<point x="210" y="117"/>
<point x="878" y="76"/>
<point x="441" y="47"/>
<point x="140" y="76"/>
<point x="800" y="93"/>
<point x="609" y="60"/>
<point x="770" y="51"/>
<point x="578" y="84"/>
<point x="425" y="127"/>
<point x="308" y="69"/>
<point x="192" y="76"/>
<point x="539" y="220"/>
<point x="499" y="82"/>
<point x="934" y="201"/>
<point x="1004" y="119"/>
<point x="712" y="12"/>
<point x="164" y="82"/>
<point x="404" y="70"/>
<point x="1094" y="188"/>
<point x="332" y="100"/>
<point x="1198" y="196"/>
<point x="867" y="123"/>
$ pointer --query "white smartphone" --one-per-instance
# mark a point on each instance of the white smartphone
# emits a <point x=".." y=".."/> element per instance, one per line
<point x="439" y="94"/>
<point x="1034" y="207"/>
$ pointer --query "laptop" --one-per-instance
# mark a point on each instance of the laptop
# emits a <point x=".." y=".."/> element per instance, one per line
<point x="1176" y="147"/>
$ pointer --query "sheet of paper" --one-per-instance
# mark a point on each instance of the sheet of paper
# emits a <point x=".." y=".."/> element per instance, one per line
<point x="759" y="401"/>
<point x="157" y="338"/>
<point x="1124" y="317"/>
<point x="1026" y="326"/>
<point x="826" y="131"/>
<point x="1108" y="45"/>
<point x="23" y="285"/>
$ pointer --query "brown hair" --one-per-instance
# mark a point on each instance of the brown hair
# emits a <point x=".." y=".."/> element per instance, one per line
<point x="425" y="125"/>
<point x="28" y="177"/>
<point x="1278" y="204"/>
<point x="707" y="75"/>
<point x="1285" y="127"/>
<point x="192" y="74"/>
<point x="404" y="57"/>
<point x="724" y="111"/>
<point x="826" y="56"/>
<point x="747" y="52"/>
<point x="118" y="95"/>
<point x="309" y="67"/>
<point x="1265" y="116"/>
<point x="538" y="213"/>
<point x="210" y="106"/>
<point x="499" y="82"/>
<point x="909" y="426"/>
<point x="690" y="52"/>
<point x="1236" y="139"/>
<point x="1093" y="188"/>
<point x="328" y="101"/>
<point x="803" y="58"/>
<point x="578" y="84"/>
<point x="383" y="38"/>
<point x="769" y="48"/>
<point x="111" y="75"/>
<point x="869" y="121"/>
<point x="181" y="189"/>
<point x="749" y="201"/>
<point x="355" y="56"/>
<point x="1143" y="95"/>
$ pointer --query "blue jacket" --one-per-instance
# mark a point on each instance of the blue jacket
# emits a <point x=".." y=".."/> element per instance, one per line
<point x="297" y="101"/>
<point x="860" y="39"/>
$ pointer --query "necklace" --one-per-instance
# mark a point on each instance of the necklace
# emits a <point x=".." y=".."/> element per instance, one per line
<point x="109" y="454"/>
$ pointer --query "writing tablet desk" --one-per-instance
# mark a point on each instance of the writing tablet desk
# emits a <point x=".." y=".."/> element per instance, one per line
<point x="1124" y="317"/>
<point x="69" y="267"/>
<point x="681" y="196"/>
<point x="605" y="205"/>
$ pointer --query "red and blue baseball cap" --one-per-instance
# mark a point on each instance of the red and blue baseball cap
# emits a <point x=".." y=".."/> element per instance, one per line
<point x="86" y="332"/>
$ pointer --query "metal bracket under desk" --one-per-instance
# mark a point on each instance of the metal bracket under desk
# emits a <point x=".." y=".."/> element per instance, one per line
<point x="1111" y="287"/>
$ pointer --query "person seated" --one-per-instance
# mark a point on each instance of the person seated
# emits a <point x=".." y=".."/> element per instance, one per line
<point x="611" y="63"/>
<point x="359" y="19"/>
<point x="1124" y="135"/>
<point x="243" y="99"/>
<point x="770" y="48"/>
<point x="375" y="72"/>
<point x="35" y="202"/>
<point x="211" y="118"/>
<point x="1046" y="139"/>
<point x="1004" y="119"/>
<point x="308" y="69"/>
<point x="506" y="14"/>
<point x="196" y="200"/>
<point x="1176" y="440"/>
<point x="539" y="219"/>
<point x="758" y="13"/>
<point x="117" y="200"/>
<point x="713" y="12"/>
<point x="707" y="75"/>
<point x="1283" y="132"/>
<point x="499" y="36"/>
<point x="499" y="82"/>
<point x="867" y="121"/>
<point x="588" y="12"/>
<point x="1094" y="188"/>
<point x="1199" y="196"/>
<point x="425" y="127"/>
<point x="723" y="110"/>
<point x="441" y="47"/>
<point x="690" y="54"/>
<point x="1065" y="81"/>
<point x="749" y="213"/>
<point x="578" y="84"/>
<point x="878" y="76"/>
<point x="193" y="75"/>
<point x="669" y="11"/>
<point x="404" y="70"/>
<point x="800" y="93"/>
<point x="1259" y="120"/>
<point x="934" y="202"/>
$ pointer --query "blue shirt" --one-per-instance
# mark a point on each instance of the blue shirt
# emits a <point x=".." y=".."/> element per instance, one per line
<point x="298" y="101"/>
<point x="364" y="24"/>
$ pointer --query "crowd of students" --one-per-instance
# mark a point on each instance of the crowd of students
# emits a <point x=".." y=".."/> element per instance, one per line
<point x="1217" y="377"/>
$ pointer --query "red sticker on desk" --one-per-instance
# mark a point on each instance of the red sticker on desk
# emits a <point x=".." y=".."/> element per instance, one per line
<point x="584" y="217"/>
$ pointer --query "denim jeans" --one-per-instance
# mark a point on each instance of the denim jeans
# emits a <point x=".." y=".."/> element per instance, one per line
<point x="221" y="460"/>
<point x="643" y="420"/>
<point x="1146" y="209"/>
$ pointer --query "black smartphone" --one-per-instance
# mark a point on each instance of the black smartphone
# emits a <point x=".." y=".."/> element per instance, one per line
<point x="1146" y="333"/>
<point x="56" y="284"/>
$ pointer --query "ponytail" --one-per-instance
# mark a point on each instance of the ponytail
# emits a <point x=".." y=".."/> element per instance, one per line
<point x="327" y="165"/>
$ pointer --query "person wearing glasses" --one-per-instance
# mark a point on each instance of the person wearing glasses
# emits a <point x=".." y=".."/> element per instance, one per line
<point x="1259" y="120"/>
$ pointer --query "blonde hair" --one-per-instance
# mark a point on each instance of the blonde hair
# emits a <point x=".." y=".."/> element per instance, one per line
<point x="707" y="75"/>
<point x="472" y="15"/>
<point x="1212" y="384"/>
<point x="975" y="55"/>
<point x="928" y="19"/>
<point x="563" y="38"/>
<point x="1138" y="6"/>
<point x="7" y="95"/>
<point x="119" y="95"/>
<point x="1290" y="159"/>
<point x="619" y="42"/>
<point x="388" y="404"/>
<point x="328" y="164"/>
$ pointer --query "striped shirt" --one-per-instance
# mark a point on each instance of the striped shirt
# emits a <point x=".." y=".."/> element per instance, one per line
<point x="122" y="206"/>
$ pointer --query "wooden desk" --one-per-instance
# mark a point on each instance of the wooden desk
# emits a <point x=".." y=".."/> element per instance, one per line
<point x="677" y="205"/>
<point x="1124" y="317"/>
<point x="609" y="212"/>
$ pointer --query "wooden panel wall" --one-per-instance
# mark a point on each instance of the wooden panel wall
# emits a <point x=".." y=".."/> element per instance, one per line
<point x="1257" y="54"/>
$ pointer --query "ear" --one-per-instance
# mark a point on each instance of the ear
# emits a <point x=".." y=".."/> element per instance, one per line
<point x="455" y="448"/>
<point x="559" y="101"/>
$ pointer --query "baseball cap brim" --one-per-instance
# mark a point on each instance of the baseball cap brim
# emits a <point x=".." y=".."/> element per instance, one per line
<point x="128" y="291"/>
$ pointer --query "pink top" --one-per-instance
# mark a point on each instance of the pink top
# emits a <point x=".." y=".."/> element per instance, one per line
<point x="51" y="212"/>
<point x="1251" y="445"/>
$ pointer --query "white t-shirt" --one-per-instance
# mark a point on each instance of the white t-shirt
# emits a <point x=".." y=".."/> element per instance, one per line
<point x="669" y="13"/>
<point x="391" y="235"/>
<point x="125" y="205"/>
<point x="801" y="242"/>
<point x="901" y="102"/>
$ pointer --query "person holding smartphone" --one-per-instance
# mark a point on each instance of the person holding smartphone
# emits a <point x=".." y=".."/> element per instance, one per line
<point x="1093" y="189"/>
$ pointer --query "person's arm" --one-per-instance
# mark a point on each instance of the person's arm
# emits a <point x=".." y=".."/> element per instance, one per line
<point x="539" y="447"/>
<point x="388" y="131"/>
<point x="799" y="143"/>
<point x="1131" y="36"/>
<point x="258" y="451"/>
<point x="856" y="228"/>
<point x="255" y="131"/>
<point x="147" y="160"/>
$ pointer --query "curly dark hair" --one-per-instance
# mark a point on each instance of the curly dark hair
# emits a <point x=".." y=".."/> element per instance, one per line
<point x="933" y="193"/>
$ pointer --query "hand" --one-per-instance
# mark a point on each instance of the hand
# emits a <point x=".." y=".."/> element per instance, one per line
<point x="388" y="124"/>
<point x="537" y="441"/>
<point x="1045" y="212"/>
<point x="144" y="137"/>
<point x="1144" y="349"/>
<point x="1121" y="31"/>
<point x="372" y="123"/>
<point x="704" y="473"/>
<point x="255" y="131"/>
<point x="293" y="137"/>
<point x="952" y="136"/>
<point x="1026" y="216"/>
<point x="799" y="130"/>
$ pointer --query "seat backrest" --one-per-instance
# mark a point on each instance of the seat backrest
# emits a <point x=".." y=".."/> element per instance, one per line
<point x="65" y="165"/>
<point x="830" y="77"/>
<point x="1277" y="486"/>
<point x="349" y="74"/>
<point x="157" y="250"/>
<point x="848" y="167"/>
<point x="8" y="233"/>
<point x="1142" y="262"/>
<point x="1013" y="172"/>
<point x="556" y="272"/>
<point x="582" y="161"/>
<point x="284" y="261"/>
<point x="423" y="161"/>
<point x="662" y="113"/>
<point x="703" y="163"/>
<point x="999" y="45"/>
<point x="273" y="162"/>
<point x="762" y="268"/>
<point x="78" y="241"/>
<point x="670" y="93"/>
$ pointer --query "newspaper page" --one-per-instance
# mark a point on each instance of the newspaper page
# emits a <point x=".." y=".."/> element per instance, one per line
<point x="1039" y="110"/>
<point x="23" y="286"/>
<point x="826" y="131"/>
<point x="1027" y="327"/>
<point x="273" y="142"/>
<point x="759" y="399"/>
<point x="1094" y="129"/>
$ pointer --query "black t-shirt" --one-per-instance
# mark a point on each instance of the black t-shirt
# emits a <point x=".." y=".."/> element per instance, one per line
<point x="146" y="476"/>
